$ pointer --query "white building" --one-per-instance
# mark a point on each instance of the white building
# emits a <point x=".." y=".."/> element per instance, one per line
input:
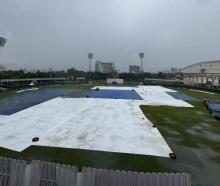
<point x="173" y="70"/>
<point x="115" y="81"/>
<point x="202" y="74"/>
<point x="134" y="69"/>
<point x="105" y="67"/>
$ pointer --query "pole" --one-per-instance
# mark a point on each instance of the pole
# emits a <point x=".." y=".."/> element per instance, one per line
<point x="142" y="71"/>
<point x="2" y="44"/>
<point x="90" y="56"/>
<point x="2" y="41"/>
<point x="141" y="56"/>
<point x="89" y="70"/>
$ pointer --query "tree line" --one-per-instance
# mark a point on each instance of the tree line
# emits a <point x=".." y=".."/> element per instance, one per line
<point x="16" y="74"/>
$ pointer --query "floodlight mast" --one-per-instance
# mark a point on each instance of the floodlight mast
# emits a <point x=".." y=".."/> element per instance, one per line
<point x="2" y="41"/>
<point x="90" y="56"/>
<point x="2" y="44"/>
<point x="141" y="56"/>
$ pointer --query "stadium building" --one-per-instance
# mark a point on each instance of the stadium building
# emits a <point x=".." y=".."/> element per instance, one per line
<point x="105" y="67"/>
<point x="134" y="69"/>
<point x="203" y="74"/>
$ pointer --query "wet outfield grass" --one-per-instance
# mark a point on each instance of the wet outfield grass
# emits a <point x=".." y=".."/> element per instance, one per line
<point x="7" y="94"/>
<point x="74" y="86"/>
<point x="192" y="135"/>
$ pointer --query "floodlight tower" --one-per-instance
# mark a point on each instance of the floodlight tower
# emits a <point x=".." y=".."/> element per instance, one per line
<point x="2" y="41"/>
<point x="90" y="56"/>
<point x="141" y="56"/>
<point x="2" y="44"/>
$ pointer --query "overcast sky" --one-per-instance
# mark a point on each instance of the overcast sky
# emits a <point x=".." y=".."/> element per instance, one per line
<point x="57" y="34"/>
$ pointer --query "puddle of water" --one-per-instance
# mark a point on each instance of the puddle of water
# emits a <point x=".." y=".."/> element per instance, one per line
<point x="205" y="125"/>
<point x="198" y="162"/>
<point x="171" y="131"/>
<point x="211" y="136"/>
<point x="199" y="112"/>
<point x="168" y="120"/>
<point x="203" y="132"/>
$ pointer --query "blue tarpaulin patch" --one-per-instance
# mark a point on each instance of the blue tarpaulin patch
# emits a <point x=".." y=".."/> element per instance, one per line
<point x="181" y="96"/>
<point x="28" y="99"/>
<point x="115" y="94"/>
<point x="214" y="108"/>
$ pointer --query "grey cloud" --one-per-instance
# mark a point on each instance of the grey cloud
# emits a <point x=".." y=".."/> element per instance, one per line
<point x="58" y="34"/>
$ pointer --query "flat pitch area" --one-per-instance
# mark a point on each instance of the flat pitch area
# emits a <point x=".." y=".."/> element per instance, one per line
<point x="152" y="95"/>
<point x="28" y="98"/>
<point x="84" y="123"/>
<point x="115" y="94"/>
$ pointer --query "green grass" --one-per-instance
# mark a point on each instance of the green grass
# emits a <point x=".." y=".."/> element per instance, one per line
<point x="91" y="158"/>
<point x="192" y="135"/>
<point x="73" y="86"/>
<point x="173" y="121"/>
<point x="7" y="94"/>
<point x="97" y="159"/>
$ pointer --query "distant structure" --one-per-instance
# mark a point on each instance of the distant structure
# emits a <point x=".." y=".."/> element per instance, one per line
<point x="203" y="74"/>
<point x="105" y="67"/>
<point x="115" y="81"/>
<point x="2" y="41"/>
<point x="22" y="82"/>
<point x="134" y="69"/>
<point x="81" y="79"/>
<point x="166" y="71"/>
<point x="2" y="68"/>
<point x="173" y="70"/>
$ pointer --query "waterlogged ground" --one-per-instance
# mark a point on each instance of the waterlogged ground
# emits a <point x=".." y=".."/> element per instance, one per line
<point x="190" y="132"/>
<point x="193" y="136"/>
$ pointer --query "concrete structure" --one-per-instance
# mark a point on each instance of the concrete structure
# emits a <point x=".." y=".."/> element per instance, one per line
<point x="115" y="81"/>
<point x="2" y="41"/>
<point x="81" y="79"/>
<point x="203" y="74"/>
<point x="173" y="70"/>
<point x="15" y="83"/>
<point x="153" y="81"/>
<point x="134" y="69"/>
<point x="105" y="67"/>
<point x="70" y="78"/>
